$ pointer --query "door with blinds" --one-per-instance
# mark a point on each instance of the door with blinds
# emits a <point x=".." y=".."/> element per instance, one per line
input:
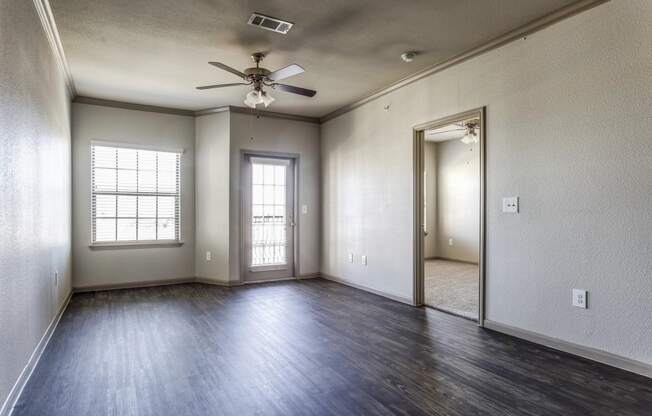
<point x="268" y="218"/>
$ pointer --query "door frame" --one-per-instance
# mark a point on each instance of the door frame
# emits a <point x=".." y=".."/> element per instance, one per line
<point x="244" y="154"/>
<point x="418" y="162"/>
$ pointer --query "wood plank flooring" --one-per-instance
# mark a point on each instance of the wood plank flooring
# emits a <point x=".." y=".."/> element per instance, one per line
<point x="304" y="348"/>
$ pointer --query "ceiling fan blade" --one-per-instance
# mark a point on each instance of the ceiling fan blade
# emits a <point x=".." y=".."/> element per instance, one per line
<point x="208" y="87"/>
<point x="295" y="90"/>
<point x="287" y="72"/>
<point x="228" y="69"/>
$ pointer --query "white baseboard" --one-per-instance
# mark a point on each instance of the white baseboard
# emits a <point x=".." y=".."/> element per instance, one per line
<point x="176" y="281"/>
<point x="132" y="285"/>
<point x="240" y="283"/>
<point x="217" y="282"/>
<point x="309" y="276"/>
<point x="452" y="259"/>
<point x="15" y="392"/>
<point x="600" y="356"/>
<point x="368" y="289"/>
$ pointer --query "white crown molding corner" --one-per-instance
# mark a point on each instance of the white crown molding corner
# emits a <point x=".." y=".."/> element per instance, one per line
<point x="52" y="33"/>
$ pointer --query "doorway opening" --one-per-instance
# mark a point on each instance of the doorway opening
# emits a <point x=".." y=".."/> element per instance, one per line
<point x="268" y="218"/>
<point x="449" y="212"/>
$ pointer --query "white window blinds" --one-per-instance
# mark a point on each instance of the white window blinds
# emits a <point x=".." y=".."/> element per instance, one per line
<point x="135" y="194"/>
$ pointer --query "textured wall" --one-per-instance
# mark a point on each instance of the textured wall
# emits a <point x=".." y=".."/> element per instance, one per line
<point x="284" y="136"/>
<point x="97" y="267"/>
<point x="35" y="188"/>
<point x="568" y="130"/>
<point x="458" y="200"/>
<point x="212" y="143"/>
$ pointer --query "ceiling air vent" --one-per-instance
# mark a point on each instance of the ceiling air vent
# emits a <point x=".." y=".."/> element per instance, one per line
<point x="270" y="23"/>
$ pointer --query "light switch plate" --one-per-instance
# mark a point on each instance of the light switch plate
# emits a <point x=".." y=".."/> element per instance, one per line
<point x="304" y="209"/>
<point x="350" y="257"/>
<point x="579" y="298"/>
<point x="510" y="204"/>
<point x="364" y="260"/>
<point x="209" y="256"/>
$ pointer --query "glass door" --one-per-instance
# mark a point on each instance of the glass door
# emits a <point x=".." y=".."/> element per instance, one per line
<point x="269" y="218"/>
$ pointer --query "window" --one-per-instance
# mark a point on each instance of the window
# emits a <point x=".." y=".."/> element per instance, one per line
<point x="135" y="194"/>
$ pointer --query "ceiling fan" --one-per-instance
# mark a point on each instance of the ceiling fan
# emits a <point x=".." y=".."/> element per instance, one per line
<point x="260" y="77"/>
<point x="469" y="128"/>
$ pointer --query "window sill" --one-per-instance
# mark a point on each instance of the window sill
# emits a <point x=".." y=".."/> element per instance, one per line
<point x="136" y="244"/>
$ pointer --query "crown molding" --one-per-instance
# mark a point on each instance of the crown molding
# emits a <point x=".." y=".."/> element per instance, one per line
<point x="212" y="110"/>
<point x="47" y="19"/>
<point x="272" y="114"/>
<point x="52" y="33"/>
<point x="190" y="113"/>
<point x="132" y="106"/>
<point x="518" y="33"/>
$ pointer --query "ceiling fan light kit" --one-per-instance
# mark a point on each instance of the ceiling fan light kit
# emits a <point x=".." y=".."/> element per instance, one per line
<point x="471" y="135"/>
<point x="259" y="78"/>
<point x="255" y="97"/>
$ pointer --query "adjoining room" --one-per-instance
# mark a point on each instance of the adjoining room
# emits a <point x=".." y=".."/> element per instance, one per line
<point x="451" y="217"/>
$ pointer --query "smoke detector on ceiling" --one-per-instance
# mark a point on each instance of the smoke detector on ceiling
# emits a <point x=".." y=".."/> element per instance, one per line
<point x="270" y="23"/>
<point x="409" y="56"/>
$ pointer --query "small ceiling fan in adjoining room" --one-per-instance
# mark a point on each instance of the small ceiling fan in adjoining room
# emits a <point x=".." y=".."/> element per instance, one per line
<point x="259" y="78"/>
<point x="467" y="132"/>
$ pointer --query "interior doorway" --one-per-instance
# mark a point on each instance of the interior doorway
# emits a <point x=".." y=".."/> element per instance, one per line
<point x="449" y="209"/>
<point x="268" y="214"/>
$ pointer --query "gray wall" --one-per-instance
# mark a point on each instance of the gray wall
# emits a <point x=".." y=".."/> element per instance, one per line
<point x="285" y="136"/>
<point x="212" y="144"/>
<point x="220" y="139"/>
<point x="35" y="188"/>
<point x="568" y="130"/>
<point x="458" y="200"/>
<point x="97" y="267"/>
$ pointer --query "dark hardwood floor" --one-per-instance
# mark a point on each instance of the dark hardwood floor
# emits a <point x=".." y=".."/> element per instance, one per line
<point x="303" y="348"/>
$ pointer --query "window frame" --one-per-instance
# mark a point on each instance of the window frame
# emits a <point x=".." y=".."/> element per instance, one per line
<point x="133" y="243"/>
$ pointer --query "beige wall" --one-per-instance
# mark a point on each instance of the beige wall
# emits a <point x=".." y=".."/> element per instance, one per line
<point x="212" y="147"/>
<point x="458" y="200"/>
<point x="35" y="188"/>
<point x="116" y="266"/>
<point x="568" y="122"/>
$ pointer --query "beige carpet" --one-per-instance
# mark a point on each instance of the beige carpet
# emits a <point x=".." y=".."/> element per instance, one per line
<point x="452" y="286"/>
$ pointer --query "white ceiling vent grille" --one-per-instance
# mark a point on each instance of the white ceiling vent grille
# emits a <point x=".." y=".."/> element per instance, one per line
<point x="270" y="23"/>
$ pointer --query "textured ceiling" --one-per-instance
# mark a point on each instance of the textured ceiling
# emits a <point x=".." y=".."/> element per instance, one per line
<point x="156" y="51"/>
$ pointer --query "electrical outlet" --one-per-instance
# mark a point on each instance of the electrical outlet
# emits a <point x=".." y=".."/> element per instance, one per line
<point x="579" y="298"/>
<point x="510" y="205"/>
<point x="364" y="260"/>
<point x="450" y="242"/>
<point x="209" y="256"/>
<point x="350" y="257"/>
